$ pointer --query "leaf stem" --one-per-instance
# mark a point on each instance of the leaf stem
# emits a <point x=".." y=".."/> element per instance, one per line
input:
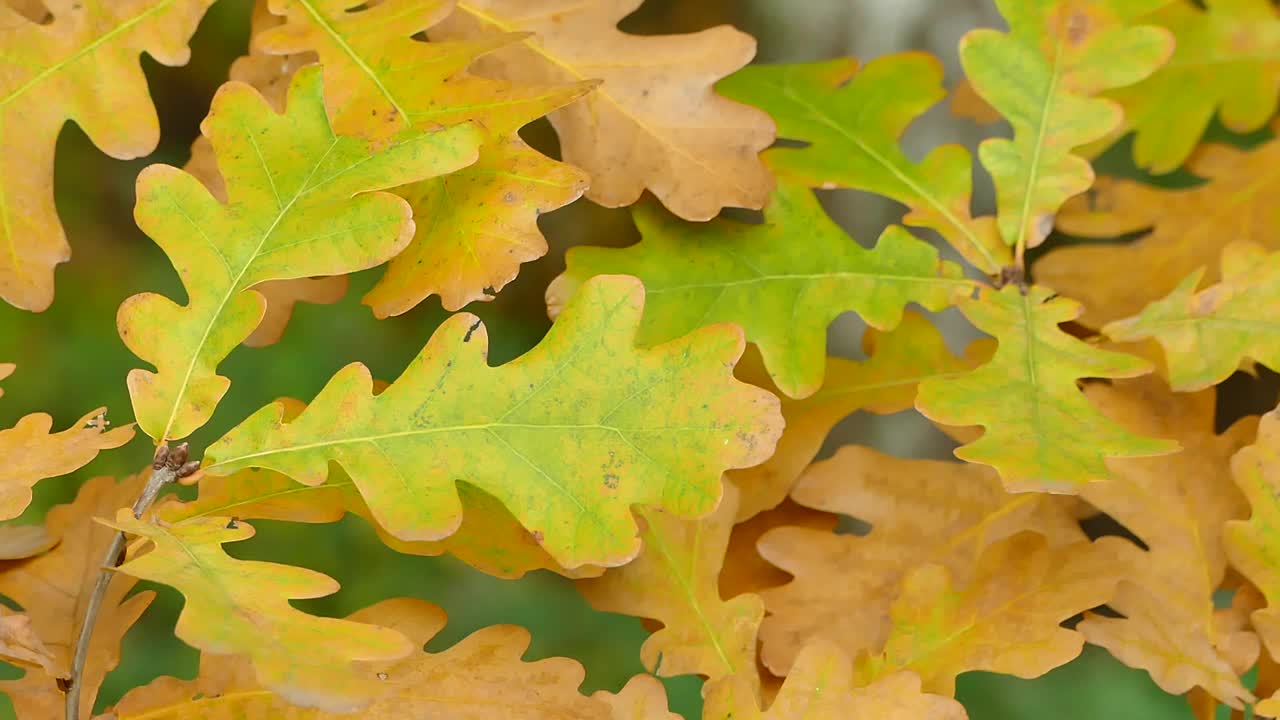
<point x="166" y="467"/>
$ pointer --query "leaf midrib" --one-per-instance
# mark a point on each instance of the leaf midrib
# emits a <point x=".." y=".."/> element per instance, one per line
<point x="359" y="61"/>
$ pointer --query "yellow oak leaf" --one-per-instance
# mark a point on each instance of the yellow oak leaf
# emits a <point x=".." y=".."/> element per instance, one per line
<point x="24" y="541"/>
<point x="1207" y="334"/>
<point x="921" y="513"/>
<point x="54" y="588"/>
<point x="674" y="581"/>
<point x="642" y="698"/>
<point x="654" y="123"/>
<point x="20" y="645"/>
<point x="480" y="678"/>
<point x="897" y="362"/>
<point x="568" y="436"/>
<point x="84" y="66"/>
<point x="1176" y="505"/>
<point x="1005" y="619"/>
<point x="32" y="453"/>
<point x="242" y="607"/>
<point x="821" y="688"/>
<point x="1041" y="432"/>
<point x="302" y="202"/>
<point x="1064" y="53"/>
<point x="1187" y="230"/>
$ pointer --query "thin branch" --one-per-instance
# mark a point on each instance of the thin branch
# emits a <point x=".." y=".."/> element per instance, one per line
<point x="166" y="467"/>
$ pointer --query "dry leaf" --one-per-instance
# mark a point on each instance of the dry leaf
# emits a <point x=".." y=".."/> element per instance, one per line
<point x="24" y="541"/>
<point x="643" y="698"/>
<point x="20" y="644"/>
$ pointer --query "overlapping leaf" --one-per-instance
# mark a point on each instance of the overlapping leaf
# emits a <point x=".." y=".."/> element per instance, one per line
<point x="674" y="581"/>
<point x="886" y="383"/>
<point x="477" y="226"/>
<point x="782" y="291"/>
<point x="83" y="66"/>
<point x="745" y="570"/>
<point x="1188" y="229"/>
<point x="20" y="645"/>
<point x="1208" y="334"/>
<point x="821" y="688"/>
<point x="54" y="589"/>
<point x="654" y="123"/>
<point x="32" y="453"/>
<point x="1175" y="504"/>
<point x="642" y="698"/>
<point x="1252" y="545"/>
<point x="242" y="607"/>
<point x="1006" y="619"/>
<point x="1041" y="432"/>
<point x="301" y="204"/>
<point x="1062" y="53"/>
<point x="920" y="512"/>
<point x="568" y="437"/>
<point x="1229" y="52"/>
<point x="852" y="120"/>
<point x="480" y="678"/>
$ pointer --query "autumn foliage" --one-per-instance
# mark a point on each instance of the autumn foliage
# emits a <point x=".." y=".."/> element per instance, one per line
<point x="660" y="445"/>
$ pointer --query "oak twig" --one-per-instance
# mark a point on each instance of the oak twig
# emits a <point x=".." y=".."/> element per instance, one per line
<point x="166" y="467"/>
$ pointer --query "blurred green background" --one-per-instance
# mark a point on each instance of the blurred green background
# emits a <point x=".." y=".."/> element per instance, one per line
<point x="70" y="360"/>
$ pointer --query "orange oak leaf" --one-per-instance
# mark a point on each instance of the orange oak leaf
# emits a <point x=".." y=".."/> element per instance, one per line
<point x="1176" y="505"/>
<point x="654" y="123"/>
<point x="745" y="570"/>
<point x="280" y="297"/>
<point x="921" y="512"/>
<point x="480" y="678"/>
<point x="1005" y="619"/>
<point x="674" y="581"/>
<point x="642" y="698"/>
<point x="83" y="65"/>
<point x="821" y="688"/>
<point x="1188" y="228"/>
<point x="54" y="588"/>
<point x="885" y="383"/>
<point x="967" y="103"/>
<point x="19" y="643"/>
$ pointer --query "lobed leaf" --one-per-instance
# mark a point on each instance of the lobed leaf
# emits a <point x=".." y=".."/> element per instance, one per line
<point x="568" y="437"/>
<point x="242" y="607"/>
<point x="83" y="65"/>
<point x="20" y="645"/>
<point x="852" y="119"/>
<point x="673" y="581"/>
<point x="642" y="698"/>
<point x="1044" y="76"/>
<point x="654" y="123"/>
<point x="1252" y="545"/>
<point x="1041" y="432"/>
<point x="302" y="202"/>
<point x="782" y="291"/>
<point x="1208" y="334"/>
<point x="1005" y="620"/>
<point x="921" y="512"/>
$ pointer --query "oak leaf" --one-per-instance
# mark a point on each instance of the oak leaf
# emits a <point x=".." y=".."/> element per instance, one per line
<point x="54" y="588"/>
<point x="642" y="698"/>
<point x="886" y="382"/>
<point x="242" y="607"/>
<point x="19" y="644"/>
<point x="1006" y="619"/>
<point x="1229" y="50"/>
<point x="23" y="541"/>
<point x="654" y="123"/>
<point x="83" y="65"/>
<point x="32" y="453"/>
<point x="745" y="570"/>
<point x="965" y="103"/>
<point x="1207" y="334"/>
<point x="921" y="512"/>
<point x="852" y="119"/>
<point x="302" y="203"/>
<point x="1041" y="432"/>
<point x="821" y="688"/>
<point x="1176" y="505"/>
<point x="1064" y="53"/>
<point x="281" y="295"/>
<point x="1187" y="231"/>
<point x="480" y="678"/>
<point x="783" y="292"/>
<point x="674" y="581"/>
<point x="568" y="436"/>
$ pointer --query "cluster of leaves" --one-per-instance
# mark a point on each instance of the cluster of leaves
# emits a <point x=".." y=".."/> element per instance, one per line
<point x="347" y="139"/>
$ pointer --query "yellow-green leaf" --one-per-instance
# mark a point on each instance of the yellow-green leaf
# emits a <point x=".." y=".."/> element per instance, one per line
<point x="83" y="66"/>
<point x="1041" y="432"/>
<point x="242" y="607"/>
<point x="301" y="204"/>
<point x="1207" y="335"/>
<point x="783" y="281"/>
<point x="568" y="437"/>
<point x="1044" y="76"/>
<point x="852" y="120"/>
